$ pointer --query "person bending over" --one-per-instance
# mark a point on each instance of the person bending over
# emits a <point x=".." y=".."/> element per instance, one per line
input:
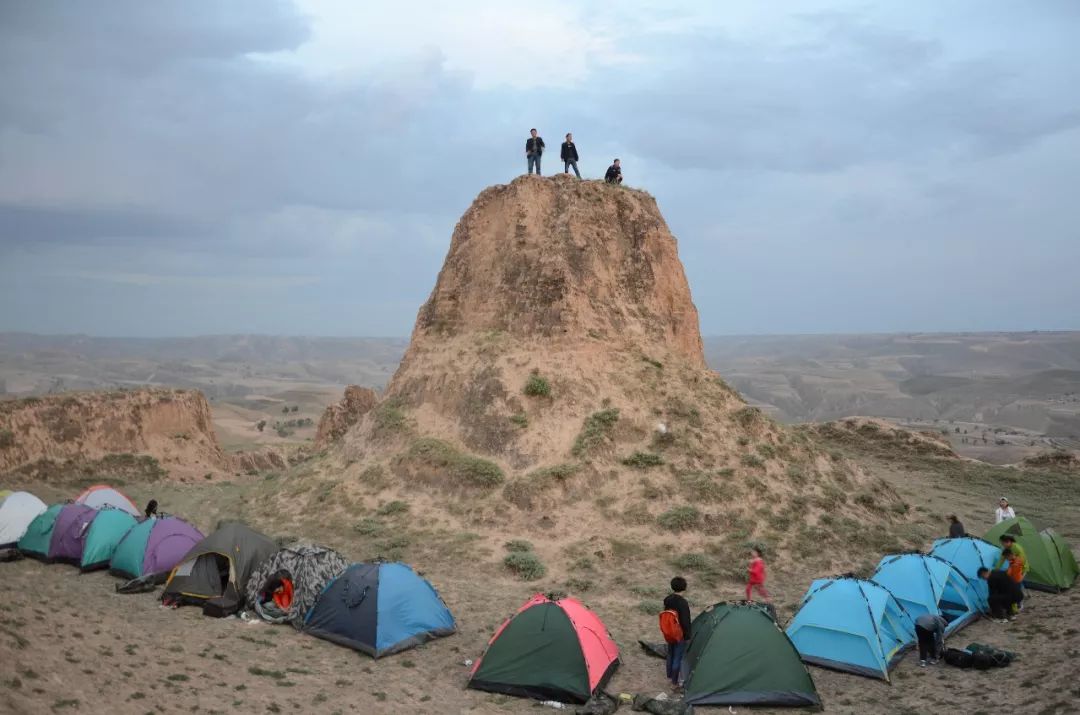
<point x="1004" y="594"/>
<point x="930" y="631"/>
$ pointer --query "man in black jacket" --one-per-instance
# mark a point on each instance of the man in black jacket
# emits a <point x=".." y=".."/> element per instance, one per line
<point x="677" y="602"/>
<point x="614" y="173"/>
<point x="1004" y="593"/>
<point x="569" y="155"/>
<point x="534" y="149"/>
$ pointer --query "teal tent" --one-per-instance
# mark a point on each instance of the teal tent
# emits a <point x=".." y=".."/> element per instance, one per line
<point x="35" y="542"/>
<point x="105" y="532"/>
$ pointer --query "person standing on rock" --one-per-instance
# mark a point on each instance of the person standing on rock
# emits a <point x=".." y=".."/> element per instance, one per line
<point x="534" y="149"/>
<point x="569" y="155"/>
<point x="614" y="173"/>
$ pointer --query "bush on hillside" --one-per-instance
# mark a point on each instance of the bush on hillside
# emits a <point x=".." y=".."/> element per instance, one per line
<point x="643" y="460"/>
<point x="595" y="431"/>
<point x="518" y="546"/>
<point x="537" y="386"/>
<point x="680" y="518"/>
<point x="526" y="565"/>
<point x="463" y="469"/>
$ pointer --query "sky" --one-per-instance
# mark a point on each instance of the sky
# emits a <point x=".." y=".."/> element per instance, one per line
<point x="297" y="168"/>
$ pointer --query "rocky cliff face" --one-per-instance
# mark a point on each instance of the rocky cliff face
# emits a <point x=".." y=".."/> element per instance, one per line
<point x="172" y="427"/>
<point x="559" y="361"/>
<point x="337" y="419"/>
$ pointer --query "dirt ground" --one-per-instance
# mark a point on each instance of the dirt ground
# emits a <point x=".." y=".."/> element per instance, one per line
<point x="69" y="643"/>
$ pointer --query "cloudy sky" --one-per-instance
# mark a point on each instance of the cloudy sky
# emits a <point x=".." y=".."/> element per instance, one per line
<point x="179" y="168"/>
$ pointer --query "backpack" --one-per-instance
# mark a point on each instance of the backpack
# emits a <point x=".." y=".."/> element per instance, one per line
<point x="670" y="626"/>
<point x="958" y="658"/>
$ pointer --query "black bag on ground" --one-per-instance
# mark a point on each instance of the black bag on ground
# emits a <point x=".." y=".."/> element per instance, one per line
<point x="958" y="658"/>
<point x="999" y="657"/>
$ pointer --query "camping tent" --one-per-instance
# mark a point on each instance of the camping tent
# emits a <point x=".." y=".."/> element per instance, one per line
<point x="851" y="625"/>
<point x="35" y="542"/>
<point x="379" y="609"/>
<point x="968" y="555"/>
<point x="306" y="568"/>
<point x="216" y="570"/>
<point x="106" y="530"/>
<point x="549" y="649"/>
<point x="154" y="548"/>
<point x="739" y="656"/>
<point x="17" y="510"/>
<point x="69" y="533"/>
<point x="928" y="584"/>
<point x="102" y="495"/>
<point x="1052" y="566"/>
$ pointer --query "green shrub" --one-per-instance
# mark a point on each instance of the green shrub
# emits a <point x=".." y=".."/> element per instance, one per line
<point x="391" y="508"/>
<point x="595" y="431"/>
<point x="523" y="491"/>
<point x="650" y="608"/>
<point x="368" y="526"/>
<point x="766" y="450"/>
<point x="520" y="419"/>
<point x="655" y="363"/>
<point x="579" y="585"/>
<point x="692" y="562"/>
<point x="679" y="518"/>
<point x="389" y="416"/>
<point x="518" y="546"/>
<point x="743" y="441"/>
<point x="700" y="487"/>
<point x="643" y="460"/>
<point x="537" y="386"/>
<point x="7" y="438"/>
<point x="526" y="565"/>
<point x="752" y="460"/>
<point x="464" y="469"/>
<point x="747" y="416"/>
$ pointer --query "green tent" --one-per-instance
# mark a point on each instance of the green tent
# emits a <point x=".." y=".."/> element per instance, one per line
<point x="105" y="532"/>
<point x="35" y="542"/>
<point x="739" y="656"/>
<point x="1052" y="566"/>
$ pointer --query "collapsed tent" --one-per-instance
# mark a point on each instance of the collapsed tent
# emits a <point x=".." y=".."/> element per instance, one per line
<point x="1052" y="565"/>
<point x="214" y="574"/>
<point x="35" y="542"/>
<point x="69" y="533"/>
<point x="549" y="650"/>
<point x="284" y="587"/>
<point x="17" y="510"/>
<point x="968" y="555"/>
<point x="851" y="625"/>
<point x="739" y="656"/>
<point x="928" y="584"/>
<point x="106" y="530"/>
<point x="153" y="548"/>
<point x="102" y="495"/>
<point x="379" y="609"/>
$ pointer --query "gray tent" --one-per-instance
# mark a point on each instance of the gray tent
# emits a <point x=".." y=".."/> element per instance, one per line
<point x="306" y="567"/>
<point x="214" y="574"/>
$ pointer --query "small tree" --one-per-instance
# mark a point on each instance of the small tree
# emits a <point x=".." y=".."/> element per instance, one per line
<point x="285" y="410"/>
<point x="260" y="425"/>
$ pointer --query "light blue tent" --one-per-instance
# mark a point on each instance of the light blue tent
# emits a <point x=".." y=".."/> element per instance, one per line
<point x="929" y="584"/>
<point x="968" y="555"/>
<point x="851" y="625"/>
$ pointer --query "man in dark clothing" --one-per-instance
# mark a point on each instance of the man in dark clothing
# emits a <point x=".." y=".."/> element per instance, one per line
<point x="930" y="631"/>
<point x="614" y="173"/>
<point x="1004" y="594"/>
<point x="534" y="148"/>
<point x="675" y="601"/>
<point x="956" y="527"/>
<point x="569" y="155"/>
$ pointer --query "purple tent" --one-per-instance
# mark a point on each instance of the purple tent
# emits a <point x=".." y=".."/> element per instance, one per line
<point x="154" y="547"/>
<point x="69" y="533"/>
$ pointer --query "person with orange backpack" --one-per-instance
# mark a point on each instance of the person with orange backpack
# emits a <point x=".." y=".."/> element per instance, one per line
<point x="675" y="626"/>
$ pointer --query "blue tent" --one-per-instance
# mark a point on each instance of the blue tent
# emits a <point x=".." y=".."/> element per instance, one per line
<point x="379" y="609"/>
<point x="929" y="584"/>
<point x="851" y="625"/>
<point x="968" y="555"/>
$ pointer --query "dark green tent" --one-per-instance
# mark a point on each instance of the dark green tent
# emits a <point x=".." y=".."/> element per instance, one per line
<point x="739" y="656"/>
<point x="1052" y="564"/>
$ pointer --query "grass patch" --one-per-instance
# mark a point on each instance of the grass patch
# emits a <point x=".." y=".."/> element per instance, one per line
<point x="537" y="386"/>
<point x="7" y="438"/>
<point x="389" y="417"/>
<point x="643" y="460"/>
<point x="518" y="546"/>
<point x="264" y="673"/>
<point x="520" y="419"/>
<point x="524" y="491"/>
<point x="650" y="608"/>
<point x="178" y="678"/>
<point x="753" y="461"/>
<point x="463" y="469"/>
<point x="596" y="431"/>
<point x="369" y="526"/>
<point x="655" y="363"/>
<point x="680" y="518"/>
<point x="391" y="508"/>
<point x="527" y="566"/>
<point x="747" y="416"/>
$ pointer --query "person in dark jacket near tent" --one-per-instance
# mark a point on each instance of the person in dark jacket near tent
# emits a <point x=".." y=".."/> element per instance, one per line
<point x="534" y="149"/>
<point x="1004" y="593"/>
<point x="569" y="155"/>
<point x="676" y="601"/>
<point x="930" y="631"/>
<point x="956" y="527"/>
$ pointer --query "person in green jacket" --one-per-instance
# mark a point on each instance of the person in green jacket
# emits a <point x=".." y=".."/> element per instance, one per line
<point x="1008" y="542"/>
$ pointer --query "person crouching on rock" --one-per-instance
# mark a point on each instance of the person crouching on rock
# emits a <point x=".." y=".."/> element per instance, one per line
<point x="614" y="173"/>
<point x="534" y="149"/>
<point x="569" y="155"/>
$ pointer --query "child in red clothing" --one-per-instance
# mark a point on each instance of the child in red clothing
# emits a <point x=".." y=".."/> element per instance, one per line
<point x="756" y="573"/>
